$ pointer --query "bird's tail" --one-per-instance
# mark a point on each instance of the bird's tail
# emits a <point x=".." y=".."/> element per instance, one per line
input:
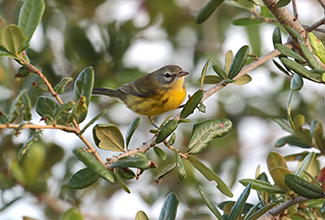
<point x="102" y="91"/>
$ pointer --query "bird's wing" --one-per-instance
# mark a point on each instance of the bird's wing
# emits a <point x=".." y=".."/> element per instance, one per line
<point x="144" y="87"/>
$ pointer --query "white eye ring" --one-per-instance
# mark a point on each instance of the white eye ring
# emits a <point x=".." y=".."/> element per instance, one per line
<point x="167" y="75"/>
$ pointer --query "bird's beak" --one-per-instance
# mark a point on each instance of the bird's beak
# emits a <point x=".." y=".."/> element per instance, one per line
<point x="182" y="73"/>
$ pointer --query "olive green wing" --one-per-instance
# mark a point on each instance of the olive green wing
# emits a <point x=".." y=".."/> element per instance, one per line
<point x="143" y="87"/>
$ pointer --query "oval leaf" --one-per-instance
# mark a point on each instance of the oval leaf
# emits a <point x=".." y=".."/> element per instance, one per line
<point x="216" y="67"/>
<point x="207" y="10"/>
<point x="169" y="209"/>
<point x="238" y="208"/>
<point x="262" y="186"/>
<point x="278" y="174"/>
<point x="303" y="187"/>
<point x="282" y="3"/>
<point x="276" y="36"/>
<point x="192" y="103"/>
<point x="141" y="216"/>
<point x="90" y="161"/>
<point x="130" y="161"/>
<point x="210" y="175"/>
<point x="238" y="61"/>
<point x="180" y="166"/>
<point x="296" y="82"/>
<point x="30" y="16"/>
<point x="247" y="21"/>
<point x="209" y="203"/>
<point x="13" y="39"/>
<point x="131" y="129"/>
<point x="288" y="52"/>
<point x="305" y="164"/>
<point x="203" y="133"/>
<point x="108" y="137"/>
<point x="166" y="130"/>
<point x="291" y="140"/>
<point x="160" y="153"/>
<point x="243" y="80"/>
<point x="82" y="179"/>
<point x="318" y="46"/>
<point x="163" y="171"/>
<point x="302" y="71"/>
<point x="211" y="79"/>
<point x="310" y="57"/>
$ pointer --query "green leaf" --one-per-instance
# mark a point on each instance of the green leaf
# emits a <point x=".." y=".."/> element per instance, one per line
<point x="207" y="10"/>
<point x="302" y="71"/>
<point x="243" y="80"/>
<point x="192" y="103"/>
<point x="169" y="209"/>
<point x="294" y="32"/>
<point x="211" y="79"/>
<point x="216" y="67"/>
<point x="282" y="3"/>
<point x="263" y="186"/>
<point x="71" y="214"/>
<point x="160" y="153"/>
<point x="291" y="140"/>
<point x="131" y="129"/>
<point x="305" y="164"/>
<point x="203" y="73"/>
<point x="21" y="105"/>
<point x="130" y="161"/>
<point x="108" y="137"/>
<point x="238" y="208"/>
<point x="276" y="36"/>
<point x="33" y="136"/>
<point x="29" y="17"/>
<point x="238" y="62"/>
<point x="247" y="21"/>
<point x="261" y="211"/>
<point x="310" y="57"/>
<point x="141" y="216"/>
<point x="166" y="130"/>
<point x="172" y="139"/>
<point x="164" y="170"/>
<point x="280" y="67"/>
<point x="278" y="168"/>
<point x="318" y="136"/>
<point x="125" y="173"/>
<point x="80" y="110"/>
<point x="203" y="133"/>
<point x="288" y="52"/>
<point x="209" y="203"/>
<point x="59" y="88"/>
<point x="318" y="46"/>
<point x="210" y="175"/>
<point x="62" y="109"/>
<point x="13" y="39"/>
<point x="82" y="179"/>
<point x="323" y="208"/>
<point x="228" y="60"/>
<point x="45" y="107"/>
<point x="296" y="82"/>
<point x="283" y="124"/>
<point x="90" y="161"/>
<point x="120" y="181"/>
<point x="92" y="121"/>
<point x="303" y="187"/>
<point x="84" y="86"/>
<point x="180" y="166"/>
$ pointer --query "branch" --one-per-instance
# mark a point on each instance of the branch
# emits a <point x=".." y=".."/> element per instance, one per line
<point x="322" y="3"/>
<point x="271" y="214"/>
<point x="316" y="25"/>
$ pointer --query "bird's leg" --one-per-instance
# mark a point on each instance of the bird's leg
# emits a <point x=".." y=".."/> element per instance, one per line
<point x="152" y="122"/>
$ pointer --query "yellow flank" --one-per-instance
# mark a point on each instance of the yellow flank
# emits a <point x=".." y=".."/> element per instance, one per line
<point x="166" y="99"/>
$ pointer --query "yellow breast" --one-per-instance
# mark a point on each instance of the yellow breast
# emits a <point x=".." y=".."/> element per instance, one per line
<point x="165" y="100"/>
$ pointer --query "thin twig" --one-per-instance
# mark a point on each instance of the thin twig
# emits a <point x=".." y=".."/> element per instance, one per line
<point x="316" y="25"/>
<point x="295" y="11"/>
<point x="322" y="3"/>
<point x="271" y="214"/>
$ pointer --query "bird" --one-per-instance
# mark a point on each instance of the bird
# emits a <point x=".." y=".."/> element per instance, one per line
<point x="153" y="94"/>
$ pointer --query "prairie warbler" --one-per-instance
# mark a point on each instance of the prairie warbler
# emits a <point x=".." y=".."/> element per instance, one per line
<point x="153" y="94"/>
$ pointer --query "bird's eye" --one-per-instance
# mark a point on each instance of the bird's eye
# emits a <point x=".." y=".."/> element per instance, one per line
<point x="167" y="75"/>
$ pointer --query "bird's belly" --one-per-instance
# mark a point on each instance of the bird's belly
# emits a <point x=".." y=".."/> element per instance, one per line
<point x="157" y="104"/>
